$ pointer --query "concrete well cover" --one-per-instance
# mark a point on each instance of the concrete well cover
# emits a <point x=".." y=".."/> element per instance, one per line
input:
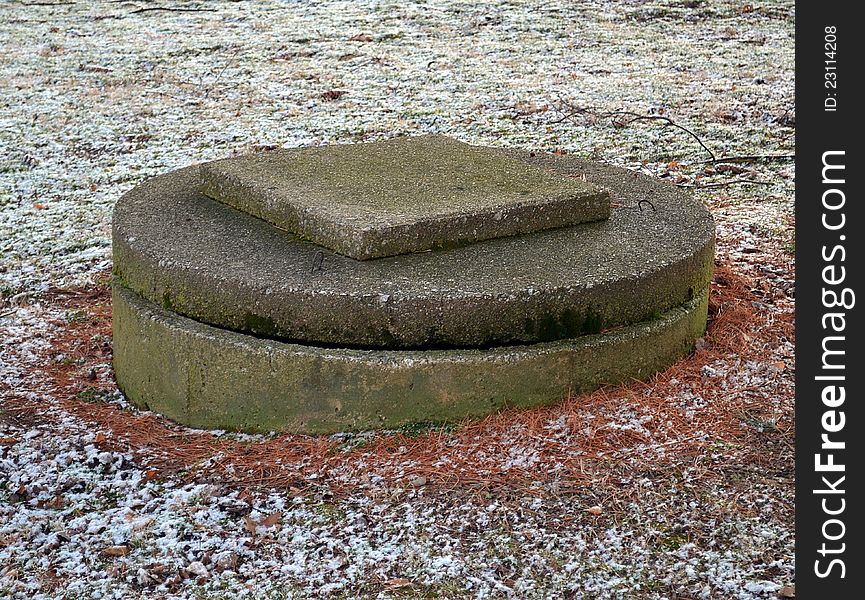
<point x="402" y="195"/>
<point x="223" y="320"/>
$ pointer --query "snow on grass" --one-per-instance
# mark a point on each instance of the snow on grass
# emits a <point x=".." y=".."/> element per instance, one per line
<point x="97" y="98"/>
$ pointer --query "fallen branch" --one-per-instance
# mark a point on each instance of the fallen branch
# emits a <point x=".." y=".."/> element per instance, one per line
<point x="577" y="111"/>
<point x="668" y="120"/>
<point x="574" y="112"/>
<point x="722" y="184"/>
<point x="753" y="157"/>
<point x="168" y="9"/>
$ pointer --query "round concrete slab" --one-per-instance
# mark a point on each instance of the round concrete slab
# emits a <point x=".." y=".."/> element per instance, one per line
<point x="208" y="377"/>
<point x="212" y="263"/>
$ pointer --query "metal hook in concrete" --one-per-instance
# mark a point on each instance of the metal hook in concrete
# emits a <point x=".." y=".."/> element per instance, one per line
<point x="640" y="205"/>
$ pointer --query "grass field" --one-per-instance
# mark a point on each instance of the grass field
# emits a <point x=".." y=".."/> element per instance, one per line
<point x="680" y="487"/>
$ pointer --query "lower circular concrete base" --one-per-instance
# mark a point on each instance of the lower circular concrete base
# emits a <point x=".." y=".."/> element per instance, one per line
<point x="203" y="376"/>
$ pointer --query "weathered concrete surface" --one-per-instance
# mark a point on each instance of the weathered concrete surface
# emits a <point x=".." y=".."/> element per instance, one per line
<point x="208" y="377"/>
<point x="207" y="261"/>
<point x="401" y="195"/>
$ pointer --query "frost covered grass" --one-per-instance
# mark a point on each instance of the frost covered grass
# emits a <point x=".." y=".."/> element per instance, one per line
<point x="621" y="498"/>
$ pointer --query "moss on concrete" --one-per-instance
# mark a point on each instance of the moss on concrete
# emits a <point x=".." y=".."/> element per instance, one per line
<point x="569" y="323"/>
<point x="259" y="325"/>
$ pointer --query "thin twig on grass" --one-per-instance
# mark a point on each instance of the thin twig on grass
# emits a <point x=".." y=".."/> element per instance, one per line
<point x="147" y="9"/>
<point x="752" y="158"/>
<point x="582" y="111"/>
<point x="721" y="184"/>
<point x="219" y="75"/>
<point x="668" y="120"/>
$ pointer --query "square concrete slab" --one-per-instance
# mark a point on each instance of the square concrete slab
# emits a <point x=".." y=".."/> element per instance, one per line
<point x="402" y="195"/>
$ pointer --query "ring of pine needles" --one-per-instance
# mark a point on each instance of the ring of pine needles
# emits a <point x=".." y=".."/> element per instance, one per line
<point x="574" y="442"/>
